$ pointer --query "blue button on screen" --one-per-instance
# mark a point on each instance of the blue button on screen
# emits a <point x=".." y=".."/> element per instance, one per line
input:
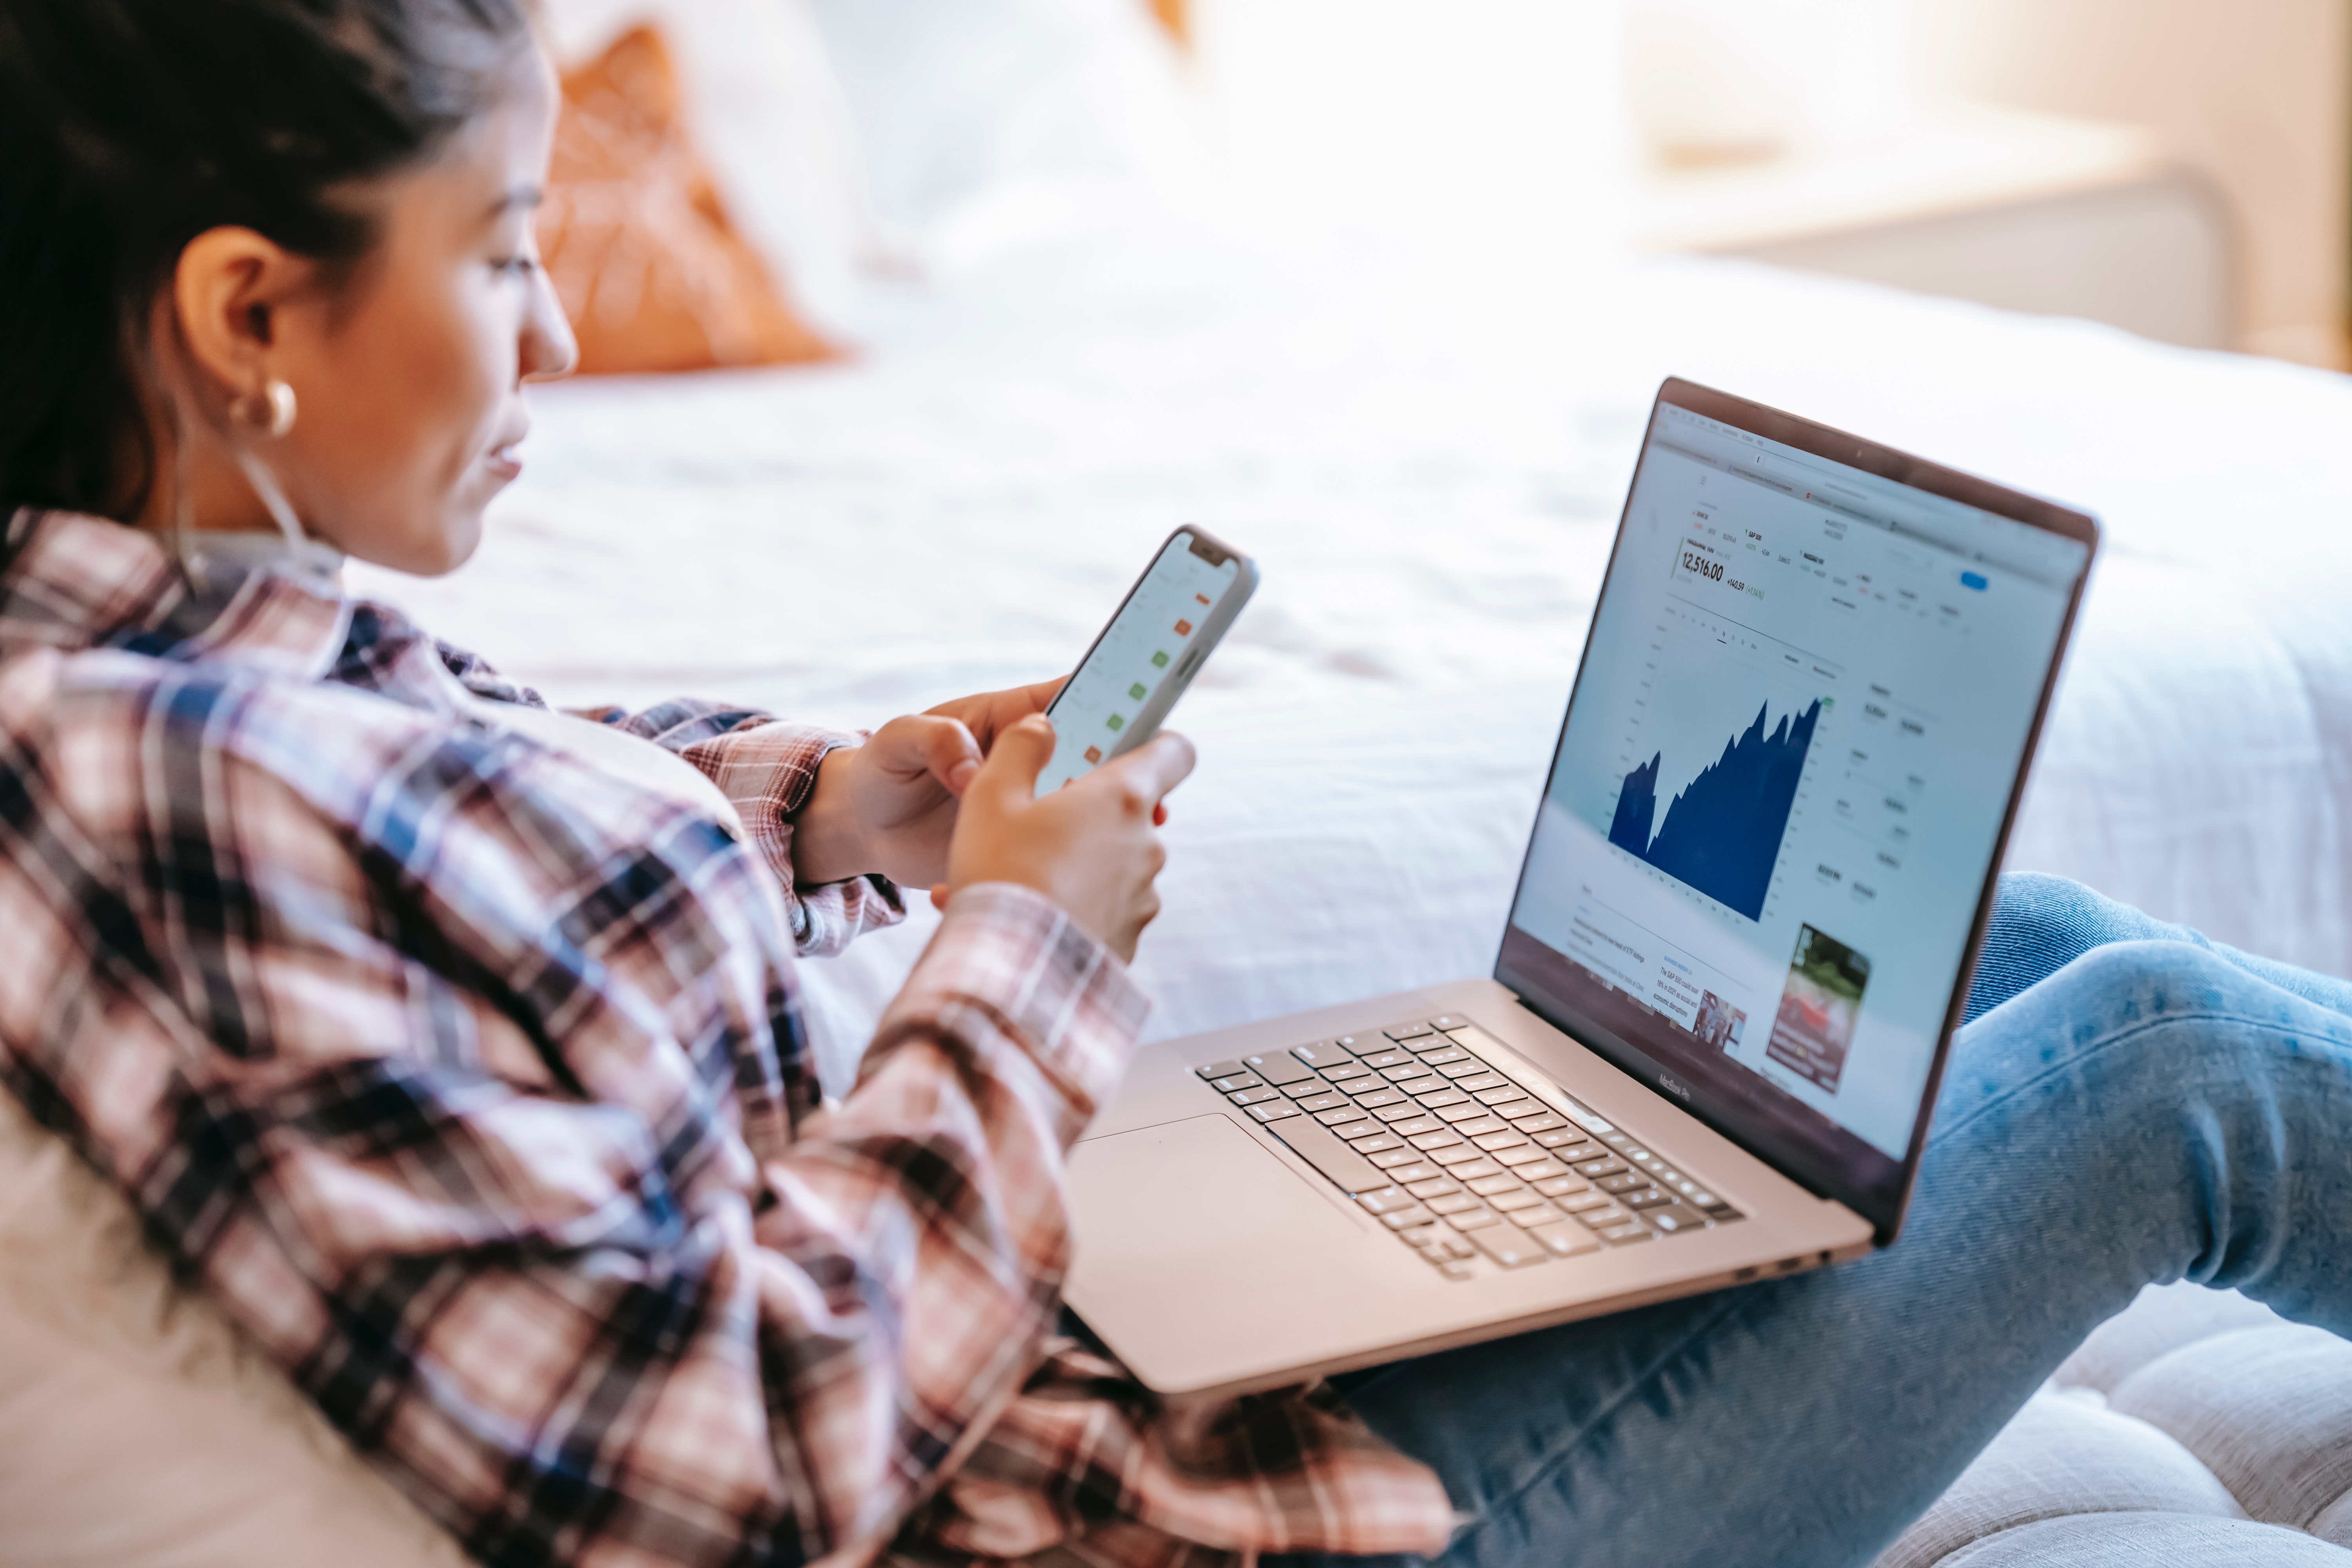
<point x="1973" y="580"/>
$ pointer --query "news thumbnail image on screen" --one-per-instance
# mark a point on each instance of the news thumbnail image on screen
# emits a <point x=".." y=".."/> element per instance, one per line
<point x="1136" y="655"/>
<point x="1800" y="713"/>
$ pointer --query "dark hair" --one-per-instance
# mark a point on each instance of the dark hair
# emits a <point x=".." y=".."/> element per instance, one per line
<point x="130" y="127"/>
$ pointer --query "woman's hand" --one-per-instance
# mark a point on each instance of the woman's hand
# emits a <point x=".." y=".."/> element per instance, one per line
<point x="889" y="805"/>
<point x="1091" y="845"/>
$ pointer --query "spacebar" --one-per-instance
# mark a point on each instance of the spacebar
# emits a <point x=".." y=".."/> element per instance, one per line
<point x="1320" y="1149"/>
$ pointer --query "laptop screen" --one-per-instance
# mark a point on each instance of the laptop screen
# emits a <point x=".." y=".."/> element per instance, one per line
<point x="1790" y="760"/>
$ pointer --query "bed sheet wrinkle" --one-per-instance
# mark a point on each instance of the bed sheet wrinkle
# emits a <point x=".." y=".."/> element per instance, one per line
<point x="1432" y="492"/>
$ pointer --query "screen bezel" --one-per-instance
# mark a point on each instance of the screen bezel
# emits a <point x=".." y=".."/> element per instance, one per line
<point x="1798" y="1142"/>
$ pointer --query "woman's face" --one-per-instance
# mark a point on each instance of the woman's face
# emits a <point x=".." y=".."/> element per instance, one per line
<point x="408" y="374"/>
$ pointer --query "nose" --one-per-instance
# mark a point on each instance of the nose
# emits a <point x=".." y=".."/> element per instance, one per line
<point x="548" y="348"/>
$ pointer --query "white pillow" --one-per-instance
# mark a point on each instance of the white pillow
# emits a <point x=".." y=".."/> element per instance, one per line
<point x="137" y="1429"/>
<point x="955" y="100"/>
<point x="765" y="112"/>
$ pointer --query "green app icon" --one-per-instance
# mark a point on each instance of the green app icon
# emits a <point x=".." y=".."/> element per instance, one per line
<point x="1135" y="691"/>
<point x="1159" y="662"/>
<point x="1117" y="722"/>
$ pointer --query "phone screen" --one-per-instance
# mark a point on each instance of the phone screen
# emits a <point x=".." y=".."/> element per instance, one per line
<point x="1137" y="654"/>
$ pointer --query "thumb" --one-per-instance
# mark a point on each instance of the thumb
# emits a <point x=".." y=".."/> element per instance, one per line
<point x="1020" y="754"/>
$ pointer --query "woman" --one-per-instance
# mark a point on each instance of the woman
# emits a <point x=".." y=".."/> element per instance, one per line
<point x="451" y="1044"/>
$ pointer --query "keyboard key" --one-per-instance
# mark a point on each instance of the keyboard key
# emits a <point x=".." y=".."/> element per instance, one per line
<point x="1390" y="1159"/>
<point x="1431" y="1144"/>
<point x="1439" y="1098"/>
<point x="1322" y="1148"/>
<point x="1345" y="1115"/>
<point x="1215" y="1070"/>
<point x="1330" y="1100"/>
<point x="1377" y="1098"/>
<point x="1278" y="1068"/>
<point x="1649" y="1199"/>
<point x="1565" y="1240"/>
<point x="1447" y="1022"/>
<point x="1552" y="1123"/>
<point x="1474" y="1219"/>
<point x="1344" y="1072"/>
<point x="1405" y="1219"/>
<point x="1674" y="1219"/>
<point x="1456" y="1153"/>
<point x="1378" y="1142"/>
<point x="1467" y="1110"/>
<point x="1601" y="1219"/>
<point x="1534" y="1214"/>
<point x="1478" y="1127"/>
<point x="1414" y="1126"/>
<point x="1475" y="1170"/>
<point x="1519" y="1158"/>
<point x="1233" y="1082"/>
<point x="1411" y="1031"/>
<point x="1450" y="1054"/>
<point x="1489" y="1187"/>
<point x="1457" y="1269"/>
<point x="1631" y="1181"/>
<point x="1476" y="1081"/>
<point x="1503" y="1096"/>
<point x="1418" y="1171"/>
<point x="1425" y="1084"/>
<point x="1453" y="1203"/>
<point x="1704" y="1200"/>
<point x="1307" y="1087"/>
<point x="1495" y="1141"/>
<point x="1255" y="1096"/>
<point x="1584" y="1202"/>
<point x="1596" y="1169"/>
<point x="1509" y="1246"/>
<point x="1540" y="1167"/>
<point x="1404" y="1111"/>
<point x="1503" y="1203"/>
<point x="1561" y="1187"/>
<point x="1452" y="1243"/>
<point x="1470" y="1067"/>
<point x="1385" y="1199"/>
<point x="1422" y="1236"/>
<point x="1621" y="1234"/>
<point x="1273" y="1110"/>
<point x="1324" y="1054"/>
<point x="1519" y="1113"/>
<point x="1559" y="1138"/>
<point x="1434" y="1188"/>
<point x="1358" y="1043"/>
<point x="1391" y="1057"/>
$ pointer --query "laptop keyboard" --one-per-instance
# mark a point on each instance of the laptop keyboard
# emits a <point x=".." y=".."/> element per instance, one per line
<point x="1456" y="1158"/>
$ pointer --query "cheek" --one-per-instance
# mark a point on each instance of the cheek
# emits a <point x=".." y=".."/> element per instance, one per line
<point x="433" y="380"/>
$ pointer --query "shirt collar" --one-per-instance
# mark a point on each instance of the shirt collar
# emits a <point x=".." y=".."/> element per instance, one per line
<point x="73" y="582"/>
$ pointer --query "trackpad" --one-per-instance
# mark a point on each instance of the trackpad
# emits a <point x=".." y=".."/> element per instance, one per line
<point x="1183" y="1189"/>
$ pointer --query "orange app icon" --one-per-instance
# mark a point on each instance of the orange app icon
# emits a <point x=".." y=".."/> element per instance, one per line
<point x="1094" y="754"/>
<point x="1203" y="597"/>
<point x="1183" y="628"/>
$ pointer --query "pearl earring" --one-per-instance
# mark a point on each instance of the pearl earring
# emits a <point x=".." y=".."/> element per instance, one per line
<point x="272" y="410"/>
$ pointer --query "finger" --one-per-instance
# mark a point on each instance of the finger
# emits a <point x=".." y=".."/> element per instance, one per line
<point x="1160" y="816"/>
<point x="1009" y="776"/>
<point x="1156" y="766"/>
<point x="939" y="895"/>
<point x="948" y="752"/>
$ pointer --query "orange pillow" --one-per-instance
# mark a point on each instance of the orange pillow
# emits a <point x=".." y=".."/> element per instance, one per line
<point x="636" y="240"/>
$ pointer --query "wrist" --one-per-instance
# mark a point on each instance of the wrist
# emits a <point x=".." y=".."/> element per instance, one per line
<point x="828" y="839"/>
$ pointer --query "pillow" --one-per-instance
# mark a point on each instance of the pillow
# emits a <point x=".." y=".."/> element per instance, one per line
<point x="635" y="240"/>
<point x="957" y="100"/>
<point x="764" y="109"/>
<point x="137" y="1429"/>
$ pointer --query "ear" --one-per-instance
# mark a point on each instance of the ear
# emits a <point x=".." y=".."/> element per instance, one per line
<point x="228" y="292"/>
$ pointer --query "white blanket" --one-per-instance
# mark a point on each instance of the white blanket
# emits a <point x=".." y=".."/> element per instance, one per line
<point x="1430" y="477"/>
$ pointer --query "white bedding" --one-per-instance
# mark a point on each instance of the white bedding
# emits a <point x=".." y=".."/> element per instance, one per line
<point x="1430" y="477"/>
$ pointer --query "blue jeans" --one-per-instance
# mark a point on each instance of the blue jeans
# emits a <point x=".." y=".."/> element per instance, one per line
<point x="2129" y="1102"/>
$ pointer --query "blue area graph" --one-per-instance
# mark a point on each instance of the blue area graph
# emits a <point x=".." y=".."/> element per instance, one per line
<point x="1722" y="833"/>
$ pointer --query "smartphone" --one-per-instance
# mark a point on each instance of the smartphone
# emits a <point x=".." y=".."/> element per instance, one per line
<point x="1143" y="660"/>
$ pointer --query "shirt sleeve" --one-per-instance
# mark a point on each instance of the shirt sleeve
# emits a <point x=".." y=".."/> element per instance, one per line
<point x="548" y="1256"/>
<point x="766" y="767"/>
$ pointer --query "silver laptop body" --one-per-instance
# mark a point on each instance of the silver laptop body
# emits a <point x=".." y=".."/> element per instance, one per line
<point x="1744" y="933"/>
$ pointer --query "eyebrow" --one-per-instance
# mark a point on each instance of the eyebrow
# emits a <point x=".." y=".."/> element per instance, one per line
<point x="525" y="196"/>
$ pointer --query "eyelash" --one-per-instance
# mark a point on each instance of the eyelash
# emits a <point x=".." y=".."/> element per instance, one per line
<point x="518" y="266"/>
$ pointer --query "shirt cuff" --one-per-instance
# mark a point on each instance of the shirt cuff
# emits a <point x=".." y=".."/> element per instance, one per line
<point x="769" y="771"/>
<point x="1006" y="960"/>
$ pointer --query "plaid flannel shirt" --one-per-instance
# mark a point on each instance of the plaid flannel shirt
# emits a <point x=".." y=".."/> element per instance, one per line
<point x="469" y="1080"/>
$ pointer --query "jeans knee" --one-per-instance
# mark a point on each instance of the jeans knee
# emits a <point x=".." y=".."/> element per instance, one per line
<point x="2153" y="979"/>
<point x="2034" y="910"/>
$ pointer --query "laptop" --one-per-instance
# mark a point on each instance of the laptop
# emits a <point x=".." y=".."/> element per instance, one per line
<point x="1743" y="935"/>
